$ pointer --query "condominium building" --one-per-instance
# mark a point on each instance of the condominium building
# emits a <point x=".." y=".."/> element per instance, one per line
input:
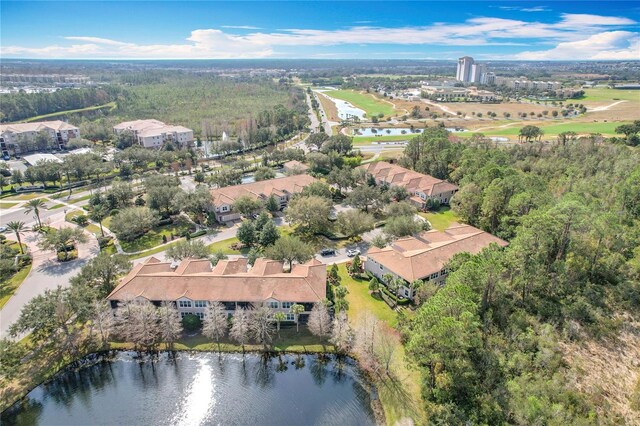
<point x="477" y="71"/>
<point x="464" y="69"/>
<point x="37" y="136"/>
<point x="425" y="256"/>
<point x="154" y="133"/>
<point x="525" y="84"/>
<point x="193" y="283"/>
<point x="281" y="188"/>
<point x="422" y="188"/>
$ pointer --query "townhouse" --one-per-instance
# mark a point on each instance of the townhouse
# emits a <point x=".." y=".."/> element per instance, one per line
<point x="425" y="256"/>
<point x="193" y="283"/>
<point x="154" y="133"/>
<point x="281" y="188"/>
<point x="422" y="188"/>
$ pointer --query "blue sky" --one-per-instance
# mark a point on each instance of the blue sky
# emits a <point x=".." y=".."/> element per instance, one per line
<point x="562" y="30"/>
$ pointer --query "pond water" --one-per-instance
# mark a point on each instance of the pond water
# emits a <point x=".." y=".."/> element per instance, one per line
<point x="345" y="109"/>
<point x="250" y="178"/>
<point x="379" y="131"/>
<point x="201" y="389"/>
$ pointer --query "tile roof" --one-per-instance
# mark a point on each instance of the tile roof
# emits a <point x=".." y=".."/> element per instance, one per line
<point x="414" y="258"/>
<point x="295" y="164"/>
<point x="262" y="189"/>
<point x="36" y="126"/>
<point x="146" y="128"/>
<point x="413" y="181"/>
<point x="229" y="281"/>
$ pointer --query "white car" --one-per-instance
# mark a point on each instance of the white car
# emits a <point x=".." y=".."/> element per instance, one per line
<point x="353" y="252"/>
<point x="3" y="228"/>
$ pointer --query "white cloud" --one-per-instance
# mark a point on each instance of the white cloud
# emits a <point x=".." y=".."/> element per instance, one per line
<point x="570" y="30"/>
<point x="525" y="9"/>
<point x="241" y="27"/>
<point x="610" y="45"/>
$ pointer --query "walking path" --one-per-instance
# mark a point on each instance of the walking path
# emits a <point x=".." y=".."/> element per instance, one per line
<point x="605" y="108"/>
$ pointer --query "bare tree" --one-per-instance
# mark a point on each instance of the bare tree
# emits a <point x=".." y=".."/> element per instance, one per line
<point x="103" y="320"/>
<point x="240" y="327"/>
<point x="341" y="333"/>
<point x="364" y="342"/>
<point x="319" y="320"/>
<point x="215" y="322"/>
<point x="385" y="345"/>
<point x="169" y="323"/>
<point x="138" y="323"/>
<point x="262" y="327"/>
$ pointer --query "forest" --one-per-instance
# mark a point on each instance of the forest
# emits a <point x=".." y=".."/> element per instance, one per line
<point x="491" y="345"/>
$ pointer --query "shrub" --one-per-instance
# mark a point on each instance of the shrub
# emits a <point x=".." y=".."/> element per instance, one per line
<point x="191" y="322"/>
<point x="198" y="233"/>
<point x="104" y="241"/>
<point x="393" y="297"/>
<point x="81" y="220"/>
<point x="71" y="255"/>
<point x="165" y="221"/>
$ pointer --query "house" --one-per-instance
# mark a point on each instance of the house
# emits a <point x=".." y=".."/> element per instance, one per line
<point x="425" y="256"/>
<point x="194" y="283"/>
<point x="34" y="159"/>
<point x="154" y="133"/>
<point x="281" y="188"/>
<point x="422" y="188"/>
<point x="23" y="137"/>
<point x="295" y="167"/>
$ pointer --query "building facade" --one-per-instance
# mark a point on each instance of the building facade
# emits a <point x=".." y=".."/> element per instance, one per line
<point x="193" y="284"/>
<point x="422" y="188"/>
<point x="39" y="136"/>
<point x="463" y="72"/>
<point x="425" y="256"/>
<point x="281" y="188"/>
<point x="154" y="133"/>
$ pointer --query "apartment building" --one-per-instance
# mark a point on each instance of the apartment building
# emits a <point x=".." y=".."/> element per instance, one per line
<point x="425" y="256"/>
<point x="25" y="137"/>
<point x="193" y="283"/>
<point x="464" y="71"/>
<point x="422" y="188"/>
<point x="154" y="133"/>
<point x="281" y="188"/>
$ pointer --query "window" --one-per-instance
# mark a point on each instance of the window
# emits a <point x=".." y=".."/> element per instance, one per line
<point x="444" y="271"/>
<point x="199" y="315"/>
<point x="200" y="304"/>
<point x="287" y="305"/>
<point x="381" y="267"/>
<point x="290" y="317"/>
<point x="183" y="314"/>
<point x="434" y="275"/>
<point x="224" y="208"/>
<point x="184" y="303"/>
<point x="273" y="305"/>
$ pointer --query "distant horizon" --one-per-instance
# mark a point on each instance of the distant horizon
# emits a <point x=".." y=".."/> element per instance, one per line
<point x="439" y="31"/>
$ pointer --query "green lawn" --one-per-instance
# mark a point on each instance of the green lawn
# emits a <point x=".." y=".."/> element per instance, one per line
<point x="153" y="238"/>
<point x="7" y="205"/>
<point x="110" y="105"/>
<point x="605" y="94"/>
<point x="76" y="200"/>
<point x="10" y="285"/>
<point x="579" y="127"/>
<point x="360" y="300"/>
<point x="56" y="206"/>
<point x="369" y="103"/>
<point x="366" y="140"/>
<point x="441" y="219"/>
<point x="224" y="246"/>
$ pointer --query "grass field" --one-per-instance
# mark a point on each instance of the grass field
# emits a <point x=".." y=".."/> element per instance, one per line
<point x="10" y="285"/>
<point x="7" y="205"/>
<point x="605" y="94"/>
<point x="153" y="237"/>
<point x="580" y="127"/>
<point x="441" y="219"/>
<point x="369" y="103"/>
<point x="224" y="246"/>
<point x="368" y="139"/>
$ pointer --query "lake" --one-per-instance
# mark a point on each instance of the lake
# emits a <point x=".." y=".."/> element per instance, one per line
<point x="201" y="389"/>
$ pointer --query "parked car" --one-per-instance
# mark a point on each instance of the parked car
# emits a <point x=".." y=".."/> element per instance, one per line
<point x="327" y="252"/>
<point x="3" y="229"/>
<point x="353" y="252"/>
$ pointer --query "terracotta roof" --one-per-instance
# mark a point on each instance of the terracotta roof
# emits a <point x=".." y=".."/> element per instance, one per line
<point x="262" y="189"/>
<point x="295" y="164"/>
<point x="36" y="126"/>
<point x="413" y="181"/>
<point x="414" y="258"/>
<point x="146" y="128"/>
<point x="229" y="281"/>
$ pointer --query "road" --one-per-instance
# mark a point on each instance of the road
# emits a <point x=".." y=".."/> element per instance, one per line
<point x="46" y="272"/>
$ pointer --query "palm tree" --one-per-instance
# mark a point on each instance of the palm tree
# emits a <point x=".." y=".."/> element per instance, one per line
<point x="297" y="309"/>
<point x="98" y="214"/>
<point x="18" y="228"/>
<point x="279" y="317"/>
<point x="34" y="206"/>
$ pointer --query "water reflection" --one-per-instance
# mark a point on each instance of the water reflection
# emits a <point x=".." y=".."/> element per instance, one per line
<point x="201" y="389"/>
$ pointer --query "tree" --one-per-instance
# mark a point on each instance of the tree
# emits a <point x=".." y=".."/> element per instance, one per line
<point x="365" y="197"/>
<point x="319" y="189"/>
<point x="272" y="204"/>
<point x="247" y="233"/>
<point x="17" y="227"/>
<point x="261" y="326"/>
<point x="354" y="222"/>
<point x="467" y="203"/>
<point x="120" y="195"/>
<point x="184" y="249"/>
<point x="162" y="190"/>
<point x="342" y="178"/>
<point x="264" y="173"/>
<point x="133" y="222"/>
<point x="60" y="239"/>
<point x="402" y="226"/>
<point x="340" y="301"/>
<point x="400" y="209"/>
<point x="297" y="309"/>
<point x="340" y="143"/>
<point x="269" y="234"/>
<point x="341" y="333"/>
<point x="169" y="323"/>
<point x="240" y="327"/>
<point x="102" y="273"/>
<point x="316" y="140"/>
<point x="215" y="323"/>
<point x="309" y="214"/>
<point x="530" y="133"/>
<point x="12" y="355"/>
<point x="356" y="266"/>
<point x="319" y="320"/>
<point x="34" y="206"/>
<point x="197" y="202"/>
<point x="279" y="317"/>
<point x="290" y="249"/>
<point x="246" y="205"/>
<point x="333" y="276"/>
<point x="374" y="285"/>
<point x="103" y="320"/>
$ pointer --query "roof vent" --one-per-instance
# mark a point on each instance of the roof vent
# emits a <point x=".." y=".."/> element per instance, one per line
<point x="174" y="264"/>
